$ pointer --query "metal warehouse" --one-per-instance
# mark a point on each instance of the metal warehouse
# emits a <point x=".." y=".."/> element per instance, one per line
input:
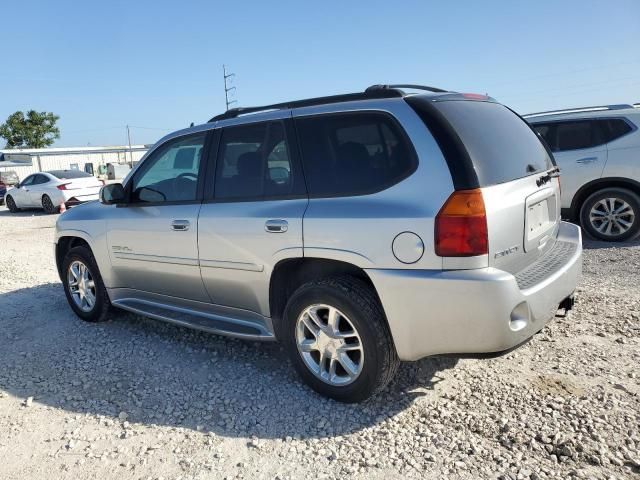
<point x="95" y="160"/>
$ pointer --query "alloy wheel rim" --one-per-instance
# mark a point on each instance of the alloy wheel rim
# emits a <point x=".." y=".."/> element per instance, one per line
<point x="81" y="286"/>
<point x="611" y="216"/>
<point x="329" y="344"/>
<point x="48" y="205"/>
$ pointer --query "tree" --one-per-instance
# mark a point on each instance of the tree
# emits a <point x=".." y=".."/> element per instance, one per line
<point x="35" y="130"/>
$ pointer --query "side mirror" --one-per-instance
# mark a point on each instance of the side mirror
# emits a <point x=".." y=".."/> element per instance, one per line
<point x="112" y="194"/>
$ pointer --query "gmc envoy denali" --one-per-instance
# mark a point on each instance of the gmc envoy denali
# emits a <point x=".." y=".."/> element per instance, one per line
<point x="360" y="230"/>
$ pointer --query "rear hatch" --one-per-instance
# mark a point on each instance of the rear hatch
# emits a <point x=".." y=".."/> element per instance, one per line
<point x="489" y="147"/>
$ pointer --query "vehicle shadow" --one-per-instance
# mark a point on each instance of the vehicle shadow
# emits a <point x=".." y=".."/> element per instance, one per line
<point x="589" y="243"/>
<point x="160" y="374"/>
<point x="31" y="212"/>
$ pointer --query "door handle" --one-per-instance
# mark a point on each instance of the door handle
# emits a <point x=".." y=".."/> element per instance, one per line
<point x="276" y="226"/>
<point x="587" y="160"/>
<point x="180" y="225"/>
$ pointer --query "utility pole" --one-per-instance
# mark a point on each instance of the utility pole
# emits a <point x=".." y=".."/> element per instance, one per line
<point x="130" y="152"/>
<point x="227" y="89"/>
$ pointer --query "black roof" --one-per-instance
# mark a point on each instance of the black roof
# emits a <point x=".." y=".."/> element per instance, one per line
<point x="374" y="91"/>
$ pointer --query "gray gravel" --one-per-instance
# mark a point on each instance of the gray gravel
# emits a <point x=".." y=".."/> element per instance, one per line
<point x="135" y="399"/>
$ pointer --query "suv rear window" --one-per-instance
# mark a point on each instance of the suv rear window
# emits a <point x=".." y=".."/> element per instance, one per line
<point x="484" y="143"/>
<point x="353" y="153"/>
<point x="69" y="174"/>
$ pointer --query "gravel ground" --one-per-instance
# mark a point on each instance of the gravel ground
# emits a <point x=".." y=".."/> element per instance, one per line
<point x="135" y="399"/>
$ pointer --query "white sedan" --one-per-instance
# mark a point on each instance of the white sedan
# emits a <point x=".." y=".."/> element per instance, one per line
<point x="48" y="190"/>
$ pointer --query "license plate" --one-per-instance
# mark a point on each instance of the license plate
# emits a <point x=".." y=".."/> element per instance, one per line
<point x="538" y="218"/>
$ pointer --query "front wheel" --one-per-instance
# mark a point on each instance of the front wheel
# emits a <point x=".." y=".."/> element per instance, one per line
<point x="83" y="285"/>
<point x="337" y="337"/>
<point x="611" y="214"/>
<point x="11" y="205"/>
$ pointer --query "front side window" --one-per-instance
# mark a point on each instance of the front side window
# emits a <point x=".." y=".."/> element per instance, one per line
<point x="254" y="162"/>
<point x="170" y="174"/>
<point x="353" y="153"/>
<point x="28" y="181"/>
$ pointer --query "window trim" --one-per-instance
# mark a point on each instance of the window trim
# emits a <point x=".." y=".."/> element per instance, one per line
<point x="294" y="159"/>
<point x="590" y="119"/>
<point x="202" y="172"/>
<point x="359" y="193"/>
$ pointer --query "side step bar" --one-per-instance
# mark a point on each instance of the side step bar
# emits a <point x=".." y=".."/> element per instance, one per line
<point x="198" y="320"/>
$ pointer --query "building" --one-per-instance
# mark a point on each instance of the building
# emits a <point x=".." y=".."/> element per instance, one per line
<point x="89" y="159"/>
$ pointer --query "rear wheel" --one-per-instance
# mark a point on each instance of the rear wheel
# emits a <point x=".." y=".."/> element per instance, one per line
<point x="11" y="205"/>
<point x="48" y="205"/>
<point x="611" y="214"/>
<point x="338" y="339"/>
<point x="83" y="285"/>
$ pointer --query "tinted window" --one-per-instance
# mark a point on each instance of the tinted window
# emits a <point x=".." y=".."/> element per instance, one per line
<point x="616" y="128"/>
<point x="170" y="173"/>
<point x="40" y="179"/>
<point x="254" y="162"/>
<point x="577" y="135"/>
<point x="68" y="174"/>
<point x="501" y="145"/>
<point x="353" y="153"/>
<point x="28" y="181"/>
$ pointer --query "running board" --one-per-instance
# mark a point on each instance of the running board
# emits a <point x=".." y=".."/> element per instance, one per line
<point x="196" y="319"/>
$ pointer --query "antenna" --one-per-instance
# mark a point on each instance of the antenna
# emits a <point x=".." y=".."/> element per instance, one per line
<point x="227" y="89"/>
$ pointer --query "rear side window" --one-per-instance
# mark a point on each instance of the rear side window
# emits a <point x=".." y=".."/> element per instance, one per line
<point x="254" y="162"/>
<point x="616" y="128"/>
<point x="580" y="134"/>
<point x="353" y="153"/>
<point x="501" y="146"/>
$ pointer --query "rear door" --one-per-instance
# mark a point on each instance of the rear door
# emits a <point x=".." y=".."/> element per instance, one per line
<point x="515" y="173"/>
<point x="579" y="150"/>
<point x="254" y="219"/>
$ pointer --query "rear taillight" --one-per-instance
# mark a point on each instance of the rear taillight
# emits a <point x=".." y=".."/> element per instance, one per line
<point x="461" y="226"/>
<point x="62" y="187"/>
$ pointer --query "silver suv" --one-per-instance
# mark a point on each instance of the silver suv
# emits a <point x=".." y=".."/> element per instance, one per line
<point x="598" y="151"/>
<point x="359" y="230"/>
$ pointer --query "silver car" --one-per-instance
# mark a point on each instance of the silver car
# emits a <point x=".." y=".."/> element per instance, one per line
<point x="598" y="151"/>
<point x="360" y="230"/>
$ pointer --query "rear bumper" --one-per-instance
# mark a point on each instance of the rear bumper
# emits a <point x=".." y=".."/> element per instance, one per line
<point x="476" y="311"/>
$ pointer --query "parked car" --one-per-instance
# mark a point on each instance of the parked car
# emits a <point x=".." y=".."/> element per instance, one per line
<point x="9" y="177"/>
<point x="49" y="190"/>
<point x="431" y="225"/>
<point x="598" y="151"/>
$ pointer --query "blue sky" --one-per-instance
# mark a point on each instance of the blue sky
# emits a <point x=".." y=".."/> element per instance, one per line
<point x="158" y="64"/>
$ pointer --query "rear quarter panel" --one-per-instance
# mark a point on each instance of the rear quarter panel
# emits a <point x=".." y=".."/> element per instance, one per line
<point x="361" y="229"/>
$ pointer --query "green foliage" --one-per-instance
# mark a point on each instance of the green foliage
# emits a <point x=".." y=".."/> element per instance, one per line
<point x="35" y="130"/>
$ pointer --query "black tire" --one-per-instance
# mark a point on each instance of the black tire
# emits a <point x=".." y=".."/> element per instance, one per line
<point x="11" y="204"/>
<point x="360" y="304"/>
<point x="621" y="194"/>
<point x="102" y="305"/>
<point x="47" y="205"/>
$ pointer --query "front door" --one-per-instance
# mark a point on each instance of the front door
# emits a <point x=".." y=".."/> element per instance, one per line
<point x="153" y="240"/>
<point x="255" y="217"/>
<point x="21" y="195"/>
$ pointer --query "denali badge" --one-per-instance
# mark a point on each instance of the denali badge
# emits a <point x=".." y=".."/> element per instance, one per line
<point x="508" y="251"/>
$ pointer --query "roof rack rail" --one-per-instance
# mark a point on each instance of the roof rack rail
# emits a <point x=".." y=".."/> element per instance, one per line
<point x="374" y="88"/>
<point x="581" y="109"/>
<point x="347" y="97"/>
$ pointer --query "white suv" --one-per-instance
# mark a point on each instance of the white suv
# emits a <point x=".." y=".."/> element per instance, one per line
<point x="598" y="151"/>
